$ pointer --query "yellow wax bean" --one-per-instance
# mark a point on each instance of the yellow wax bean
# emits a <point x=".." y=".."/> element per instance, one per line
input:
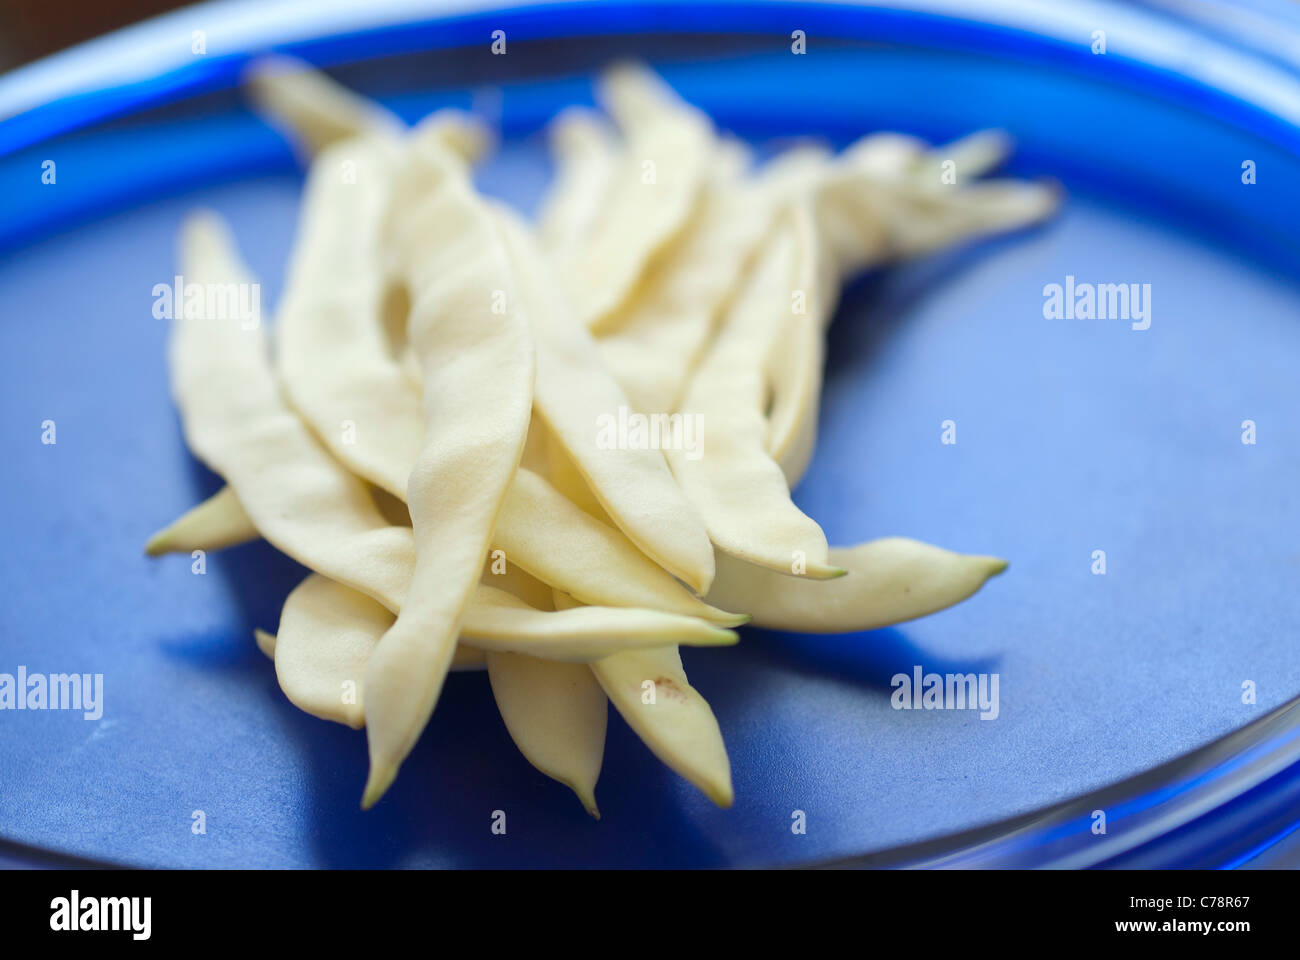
<point x="501" y="621"/>
<point x="649" y="688"/>
<point x="573" y="392"/>
<point x="311" y="109"/>
<point x="556" y="715"/>
<point x="734" y="483"/>
<point x="478" y="365"/>
<point x="650" y="194"/>
<point x="586" y="153"/>
<point x="216" y="523"/>
<point x="889" y="581"/>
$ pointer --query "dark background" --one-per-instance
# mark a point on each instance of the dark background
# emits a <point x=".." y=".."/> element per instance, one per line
<point x="30" y="29"/>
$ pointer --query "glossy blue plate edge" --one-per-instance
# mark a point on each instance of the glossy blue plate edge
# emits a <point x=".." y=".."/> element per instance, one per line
<point x="1220" y="806"/>
<point x="1262" y="96"/>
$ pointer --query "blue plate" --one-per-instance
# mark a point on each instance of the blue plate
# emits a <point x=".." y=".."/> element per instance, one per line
<point x="1073" y="436"/>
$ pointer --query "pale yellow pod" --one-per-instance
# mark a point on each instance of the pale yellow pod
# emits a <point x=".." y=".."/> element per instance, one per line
<point x="658" y="338"/>
<point x="265" y="642"/>
<point x="337" y="371"/>
<point x="536" y="453"/>
<point x="586" y="152"/>
<point x="218" y="522"/>
<point x="236" y="422"/>
<point x="574" y="394"/>
<point x="884" y="156"/>
<point x="541" y="525"/>
<point x="935" y="169"/>
<point x="593" y="560"/>
<point x="796" y="357"/>
<point x="649" y="688"/>
<point x="471" y="333"/>
<point x="462" y="135"/>
<point x="498" y="620"/>
<point x="889" y="196"/>
<point x="989" y="206"/>
<point x="867" y="204"/>
<point x="889" y="581"/>
<point x="650" y="195"/>
<point x="556" y="715"/>
<point x="558" y="466"/>
<point x="656" y="341"/>
<point x="886" y="196"/>
<point x="685" y="734"/>
<point x="331" y="353"/>
<point x="735" y="484"/>
<point x="501" y="573"/>
<point x="555" y="712"/>
<point x="326" y="636"/>
<point x="411" y="368"/>
<point x="309" y="108"/>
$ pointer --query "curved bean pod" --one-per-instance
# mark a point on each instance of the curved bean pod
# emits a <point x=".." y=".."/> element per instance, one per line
<point x="586" y="152"/>
<point x="890" y="580"/>
<point x="218" y="522"/>
<point x="735" y="484"/>
<point x="309" y="108"/>
<point x="556" y="715"/>
<point x="649" y="688"/>
<point x="655" y="186"/>
<point x="478" y="366"/>
<point x="500" y="621"/>
<point x="573" y="389"/>
<point x="326" y="636"/>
